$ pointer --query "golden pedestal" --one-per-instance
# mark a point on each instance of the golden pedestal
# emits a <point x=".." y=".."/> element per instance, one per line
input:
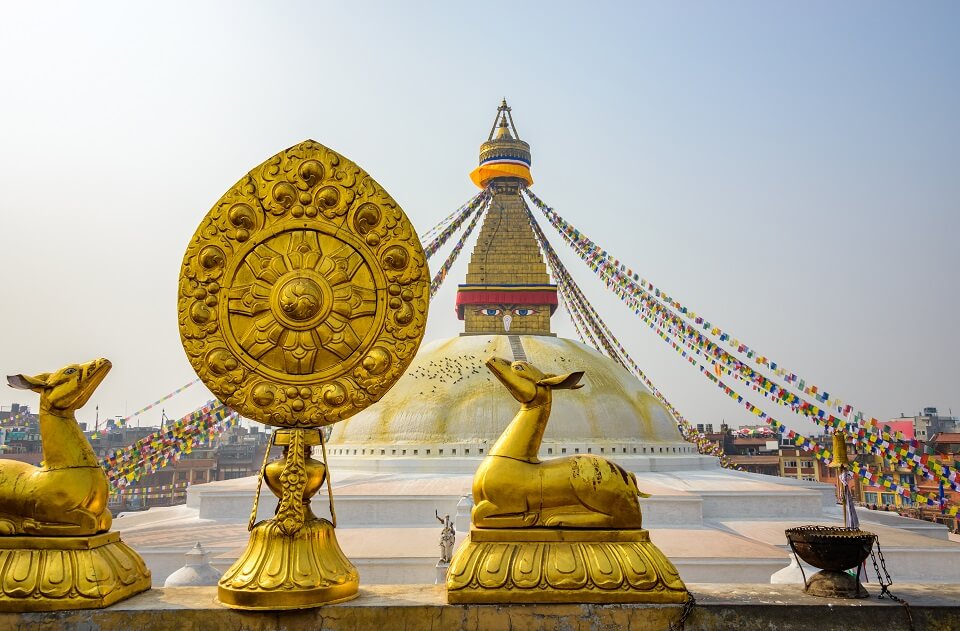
<point x="281" y="572"/>
<point x="541" y="565"/>
<point x="56" y="573"/>
<point x="292" y="561"/>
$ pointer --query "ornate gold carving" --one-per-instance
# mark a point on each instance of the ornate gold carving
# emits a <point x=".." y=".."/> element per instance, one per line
<point x="303" y="297"/>
<point x="292" y="560"/>
<point x="303" y="293"/>
<point x="541" y="565"/>
<point x="57" y="573"/>
<point x="562" y="530"/>
<point x="62" y="558"/>
<point x="293" y="480"/>
<point x="278" y="571"/>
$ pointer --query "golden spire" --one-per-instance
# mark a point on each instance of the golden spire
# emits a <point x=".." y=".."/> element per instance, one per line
<point x="503" y="131"/>
<point x="508" y="289"/>
<point x="503" y="155"/>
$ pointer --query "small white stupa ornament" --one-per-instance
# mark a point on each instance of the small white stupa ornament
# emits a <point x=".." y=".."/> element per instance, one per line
<point x="196" y="572"/>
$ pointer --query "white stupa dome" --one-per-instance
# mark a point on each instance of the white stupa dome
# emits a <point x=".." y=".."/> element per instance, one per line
<point x="448" y="398"/>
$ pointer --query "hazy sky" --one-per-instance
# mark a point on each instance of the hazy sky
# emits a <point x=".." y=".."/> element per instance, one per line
<point x="790" y="170"/>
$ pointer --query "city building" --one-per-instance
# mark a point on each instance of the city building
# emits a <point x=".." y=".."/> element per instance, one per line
<point x="757" y="450"/>
<point x="927" y="423"/>
<point x="236" y="453"/>
<point x="20" y="435"/>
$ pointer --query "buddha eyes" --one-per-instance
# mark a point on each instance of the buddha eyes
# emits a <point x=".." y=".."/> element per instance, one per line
<point x="519" y="312"/>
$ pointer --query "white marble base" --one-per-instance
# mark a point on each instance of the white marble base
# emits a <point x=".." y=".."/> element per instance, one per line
<point x="715" y="525"/>
<point x="442" y="569"/>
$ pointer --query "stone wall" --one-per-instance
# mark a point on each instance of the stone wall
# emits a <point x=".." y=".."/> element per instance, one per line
<point x="413" y="607"/>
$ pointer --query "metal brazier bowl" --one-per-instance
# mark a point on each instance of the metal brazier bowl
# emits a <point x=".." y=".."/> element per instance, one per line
<point x="831" y="547"/>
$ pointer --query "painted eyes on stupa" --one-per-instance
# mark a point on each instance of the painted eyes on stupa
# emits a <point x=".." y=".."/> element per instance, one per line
<point x="519" y="312"/>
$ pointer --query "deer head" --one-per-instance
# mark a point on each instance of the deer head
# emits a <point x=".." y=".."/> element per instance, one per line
<point x="527" y="384"/>
<point x="67" y="389"/>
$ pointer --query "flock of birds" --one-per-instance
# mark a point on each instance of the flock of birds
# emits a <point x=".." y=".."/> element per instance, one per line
<point x="450" y="370"/>
<point x="454" y="369"/>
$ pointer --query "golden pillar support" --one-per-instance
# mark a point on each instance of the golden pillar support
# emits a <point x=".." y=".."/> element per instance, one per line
<point x="293" y="560"/>
<point x="542" y="565"/>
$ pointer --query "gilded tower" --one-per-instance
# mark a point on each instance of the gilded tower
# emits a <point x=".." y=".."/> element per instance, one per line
<point x="508" y="290"/>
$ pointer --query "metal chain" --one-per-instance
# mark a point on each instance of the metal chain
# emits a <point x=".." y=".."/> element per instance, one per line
<point x="687" y="610"/>
<point x="884" y="586"/>
<point x="256" y="497"/>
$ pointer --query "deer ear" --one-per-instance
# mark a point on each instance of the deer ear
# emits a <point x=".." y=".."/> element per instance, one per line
<point x="563" y="382"/>
<point x="23" y="382"/>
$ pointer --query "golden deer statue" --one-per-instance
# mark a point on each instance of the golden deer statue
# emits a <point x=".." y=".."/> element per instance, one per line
<point x="514" y="489"/>
<point x="67" y="495"/>
<point x="54" y="520"/>
<point x="562" y="530"/>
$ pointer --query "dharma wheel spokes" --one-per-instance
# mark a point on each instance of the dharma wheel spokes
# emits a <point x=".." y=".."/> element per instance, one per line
<point x="302" y="299"/>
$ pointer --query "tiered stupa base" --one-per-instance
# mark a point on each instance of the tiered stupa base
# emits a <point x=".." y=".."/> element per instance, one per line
<point x="60" y="573"/>
<point x="299" y="571"/>
<point x="539" y="565"/>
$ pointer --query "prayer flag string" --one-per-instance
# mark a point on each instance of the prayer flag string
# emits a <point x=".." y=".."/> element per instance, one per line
<point x="587" y="320"/>
<point x="628" y="277"/>
<point x="668" y="334"/>
<point x="642" y="302"/>
<point x="441" y="274"/>
<point x="467" y="209"/>
<point x="432" y="232"/>
<point x="165" y="397"/>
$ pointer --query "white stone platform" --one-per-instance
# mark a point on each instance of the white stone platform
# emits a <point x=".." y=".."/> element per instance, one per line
<point x="716" y="525"/>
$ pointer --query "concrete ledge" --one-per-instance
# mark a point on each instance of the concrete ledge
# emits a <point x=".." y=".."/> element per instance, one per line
<point x="412" y="607"/>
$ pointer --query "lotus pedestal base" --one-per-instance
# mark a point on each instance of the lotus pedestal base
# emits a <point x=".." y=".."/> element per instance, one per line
<point x="540" y="565"/>
<point x="58" y="573"/>
<point x="299" y="571"/>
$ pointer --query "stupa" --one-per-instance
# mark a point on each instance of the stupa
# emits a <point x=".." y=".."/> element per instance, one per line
<point x="449" y="406"/>
<point x="410" y="457"/>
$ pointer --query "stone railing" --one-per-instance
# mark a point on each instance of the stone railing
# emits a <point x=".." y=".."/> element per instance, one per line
<point x="413" y="607"/>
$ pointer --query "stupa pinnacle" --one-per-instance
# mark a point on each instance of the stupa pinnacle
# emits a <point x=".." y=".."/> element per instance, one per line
<point x="503" y="156"/>
<point x="507" y="289"/>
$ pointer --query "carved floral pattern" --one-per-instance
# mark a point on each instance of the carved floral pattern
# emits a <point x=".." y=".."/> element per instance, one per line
<point x="564" y="571"/>
<point x="291" y="512"/>
<point x="302" y="570"/>
<point x="72" y="576"/>
<point x="303" y="293"/>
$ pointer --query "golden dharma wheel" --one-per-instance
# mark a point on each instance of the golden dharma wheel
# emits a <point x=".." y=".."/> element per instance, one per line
<point x="303" y="293"/>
